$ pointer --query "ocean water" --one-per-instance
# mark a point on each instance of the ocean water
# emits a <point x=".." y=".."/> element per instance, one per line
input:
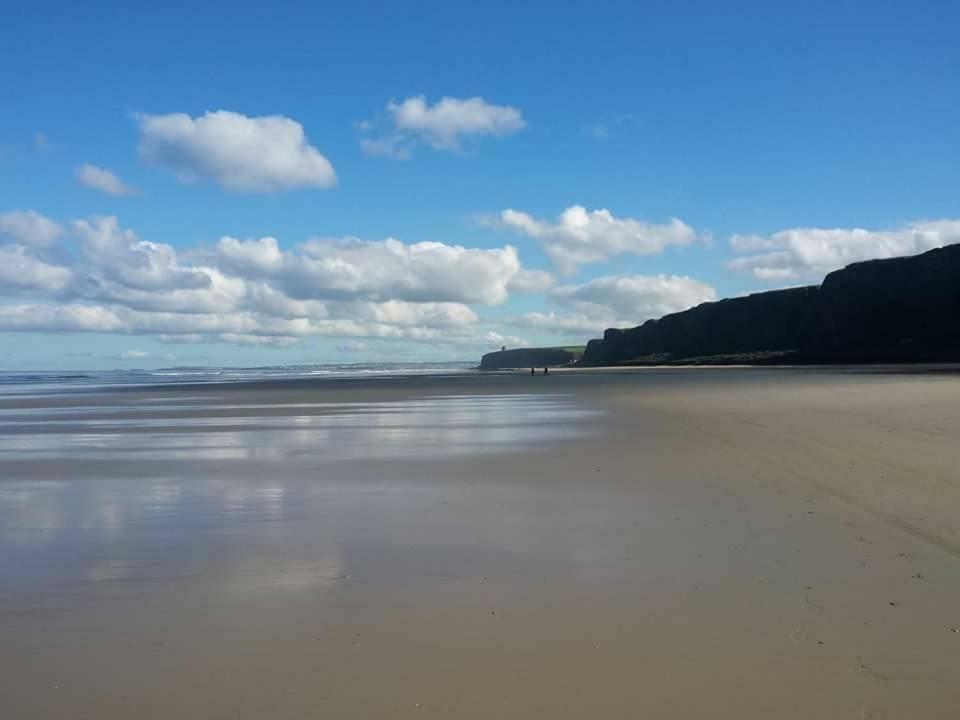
<point x="29" y="381"/>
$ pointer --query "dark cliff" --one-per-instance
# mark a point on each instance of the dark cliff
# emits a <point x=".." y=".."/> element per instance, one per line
<point x="901" y="309"/>
<point x="765" y="322"/>
<point x="530" y="357"/>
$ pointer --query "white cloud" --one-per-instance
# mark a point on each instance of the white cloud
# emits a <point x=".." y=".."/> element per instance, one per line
<point x="255" y="292"/>
<point x="242" y="327"/>
<point x="445" y="122"/>
<point x="264" y="298"/>
<point x="618" y="301"/>
<point x="242" y="154"/>
<point x="46" y="317"/>
<point x="443" y="125"/>
<point x="811" y="253"/>
<point x="639" y="297"/>
<point x="108" y="279"/>
<point x="391" y="147"/>
<point x="119" y="267"/>
<point x="121" y="255"/>
<point x="89" y="317"/>
<point x="531" y="281"/>
<point x="21" y="270"/>
<point x="407" y="314"/>
<point x="251" y="256"/>
<point x="28" y="227"/>
<point x="105" y="181"/>
<point x="494" y="339"/>
<point x="26" y="257"/>
<point x="579" y="324"/>
<point x="580" y="237"/>
<point x="349" y="268"/>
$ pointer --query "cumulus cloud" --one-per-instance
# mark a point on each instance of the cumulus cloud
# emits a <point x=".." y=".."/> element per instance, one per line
<point x="580" y="237"/>
<point x="89" y="317"/>
<point x="28" y="227"/>
<point x="103" y="180"/>
<point x="407" y="314"/>
<point x="377" y="270"/>
<point x="21" y="270"/>
<point x="639" y="296"/>
<point x="581" y="324"/>
<point x="136" y="263"/>
<point x="618" y="301"/>
<point x="116" y="266"/>
<point x="443" y="125"/>
<point x="531" y="281"/>
<point x="262" y="255"/>
<point x="26" y="257"/>
<point x="106" y="278"/>
<point x="811" y="253"/>
<point x="241" y="154"/>
<point x="47" y="317"/>
<point x="445" y="122"/>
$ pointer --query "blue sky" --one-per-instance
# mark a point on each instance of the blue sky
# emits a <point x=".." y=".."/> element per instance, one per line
<point x="787" y="139"/>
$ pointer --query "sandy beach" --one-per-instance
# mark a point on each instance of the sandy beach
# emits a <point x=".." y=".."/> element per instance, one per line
<point x="682" y="543"/>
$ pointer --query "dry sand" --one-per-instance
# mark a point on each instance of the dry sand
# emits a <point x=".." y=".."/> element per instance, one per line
<point x="726" y="543"/>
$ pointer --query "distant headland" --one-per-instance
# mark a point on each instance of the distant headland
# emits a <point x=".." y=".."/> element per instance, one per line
<point x="532" y="357"/>
<point x="893" y="310"/>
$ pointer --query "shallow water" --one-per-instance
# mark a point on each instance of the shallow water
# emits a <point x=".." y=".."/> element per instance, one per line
<point x="84" y="497"/>
<point x="438" y="426"/>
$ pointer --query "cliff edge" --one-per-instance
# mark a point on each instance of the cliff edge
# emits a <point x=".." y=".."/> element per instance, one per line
<point x="894" y="310"/>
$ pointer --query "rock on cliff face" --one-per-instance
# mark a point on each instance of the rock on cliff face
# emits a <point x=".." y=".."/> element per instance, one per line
<point x="528" y="357"/>
<point x="765" y="322"/>
<point x="902" y="309"/>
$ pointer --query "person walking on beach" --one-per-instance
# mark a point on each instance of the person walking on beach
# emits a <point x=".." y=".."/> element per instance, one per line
<point x="533" y="371"/>
<point x="546" y="371"/>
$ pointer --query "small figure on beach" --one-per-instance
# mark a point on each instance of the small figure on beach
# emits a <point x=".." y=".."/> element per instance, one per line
<point x="533" y="371"/>
<point x="546" y="371"/>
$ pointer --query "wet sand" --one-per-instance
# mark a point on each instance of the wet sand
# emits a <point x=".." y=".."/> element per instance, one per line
<point x="683" y="543"/>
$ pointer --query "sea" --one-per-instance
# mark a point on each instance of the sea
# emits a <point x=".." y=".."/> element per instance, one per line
<point x="39" y="381"/>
